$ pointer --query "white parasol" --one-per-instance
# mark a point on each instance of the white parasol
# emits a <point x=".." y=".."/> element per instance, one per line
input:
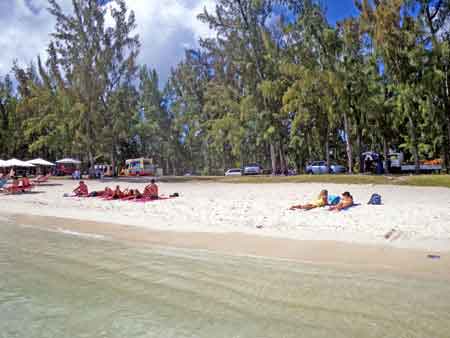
<point x="14" y="162"/>
<point x="40" y="161"/>
<point x="68" y="161"/>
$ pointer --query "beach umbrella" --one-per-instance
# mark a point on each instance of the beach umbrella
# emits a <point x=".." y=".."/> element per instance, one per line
<point x="14" y="162"/>
<point x="68" y="161"/>
<point x="41" y="162"/>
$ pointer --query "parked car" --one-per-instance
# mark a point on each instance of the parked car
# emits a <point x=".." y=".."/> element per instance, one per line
<point x="320" y="167"/>
<point x="253" y="169"/>
<point x="233" y="172"/>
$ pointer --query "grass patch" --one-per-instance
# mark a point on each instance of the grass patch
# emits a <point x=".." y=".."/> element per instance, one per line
<point x="427" y="181"/>
<point x="406" y="180"/>
<point x="412" y="180"/>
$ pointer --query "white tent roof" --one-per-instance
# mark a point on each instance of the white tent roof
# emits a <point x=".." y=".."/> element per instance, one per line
<point x="40" y="161"/>
<point x="14" y="162"/>
<point x="68" y="161"/>
<point x="2" y="162"/>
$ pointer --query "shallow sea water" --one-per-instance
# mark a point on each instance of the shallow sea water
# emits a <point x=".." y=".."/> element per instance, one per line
<point x="64" y="285"/>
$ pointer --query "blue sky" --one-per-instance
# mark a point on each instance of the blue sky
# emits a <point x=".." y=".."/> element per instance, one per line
<point x="166" y="28"/>
<point x="339" y="9"/>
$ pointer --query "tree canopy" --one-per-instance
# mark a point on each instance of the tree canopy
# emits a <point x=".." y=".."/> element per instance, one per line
<point x="278" y="84"/>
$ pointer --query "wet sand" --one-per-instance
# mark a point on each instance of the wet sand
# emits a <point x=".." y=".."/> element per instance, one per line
<point x="353" y="257"/>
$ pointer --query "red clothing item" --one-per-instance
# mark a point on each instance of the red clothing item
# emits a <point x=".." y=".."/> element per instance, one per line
<point x="151" y="191"/>
<point x="82" y="190"/>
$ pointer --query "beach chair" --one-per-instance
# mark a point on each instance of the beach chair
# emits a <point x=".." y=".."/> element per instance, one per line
<point x="41" y="179"/>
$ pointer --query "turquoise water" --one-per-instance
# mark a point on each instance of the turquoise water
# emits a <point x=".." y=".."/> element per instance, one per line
<point x="61" y="285"/>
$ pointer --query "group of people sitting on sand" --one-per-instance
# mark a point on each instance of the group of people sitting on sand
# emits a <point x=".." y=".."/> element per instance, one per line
<point x="345" y="201"/>
<point x="17" y="185"/>
<point x="150" y="192"/>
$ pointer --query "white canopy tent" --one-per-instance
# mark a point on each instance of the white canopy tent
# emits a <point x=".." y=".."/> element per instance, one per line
<point x="68" y="161"/>
<point x="41" y="162"/>
<point x="2" y="163"/>
<point x="14" y="162"/>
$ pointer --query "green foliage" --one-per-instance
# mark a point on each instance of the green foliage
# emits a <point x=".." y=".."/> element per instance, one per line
<point x="277" y="84"/>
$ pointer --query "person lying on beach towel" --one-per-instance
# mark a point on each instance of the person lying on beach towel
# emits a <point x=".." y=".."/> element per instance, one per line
<point x="130" y="194"/>
<point x="117" y="193"/>
<point x="321" y="201"/>
<point x="14" y="187"/>
<point x="151" y="190"/>
<point x="346" y="202"/>
<point x="81" y="190"/>
<point x="101" y="193"/>
<point x="25" y="182"/>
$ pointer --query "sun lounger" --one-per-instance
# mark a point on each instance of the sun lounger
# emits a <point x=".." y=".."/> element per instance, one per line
<point x="41" y="179"/>
<point x="17" y="189"/>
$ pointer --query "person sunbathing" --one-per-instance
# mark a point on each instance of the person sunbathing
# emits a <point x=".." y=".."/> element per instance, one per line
<point x="14" y="186"/>
<point x="117" y="194"/>
<point x="131" y="194"/>
<point x="321" y="201"/>
<point x="151" y="190"/>
<point x="25" y="182"/>
<point x="81" y="190"/>
<point x="346" y="202"/>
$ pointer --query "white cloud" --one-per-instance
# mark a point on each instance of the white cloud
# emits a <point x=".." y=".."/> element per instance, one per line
<point x="165" y="27"/>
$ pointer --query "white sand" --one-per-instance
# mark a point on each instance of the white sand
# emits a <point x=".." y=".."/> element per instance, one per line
<point x="420" y="216"/>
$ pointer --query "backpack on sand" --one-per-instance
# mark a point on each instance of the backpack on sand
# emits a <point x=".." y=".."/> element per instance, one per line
<point x="375" y="199"/>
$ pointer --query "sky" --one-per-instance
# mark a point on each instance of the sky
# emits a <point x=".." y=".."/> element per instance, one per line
<point x="166" y="28"/>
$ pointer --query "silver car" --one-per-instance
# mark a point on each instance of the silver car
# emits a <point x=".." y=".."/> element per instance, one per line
<point x="233" y="172"/>
<point x="320" y="167"/>
<point x="253" y="169"/>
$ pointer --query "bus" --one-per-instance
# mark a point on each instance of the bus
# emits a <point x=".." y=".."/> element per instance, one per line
<point x="139" y="167"/>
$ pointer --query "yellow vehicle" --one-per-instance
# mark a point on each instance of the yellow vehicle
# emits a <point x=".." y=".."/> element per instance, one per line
<point x="139" y="167"/>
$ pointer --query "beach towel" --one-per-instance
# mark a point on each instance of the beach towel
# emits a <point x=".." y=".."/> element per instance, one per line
<point x="148" y="199"/>
<point x="351" y="206"/>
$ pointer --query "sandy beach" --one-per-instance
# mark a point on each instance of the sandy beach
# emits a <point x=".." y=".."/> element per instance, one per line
<point x="202" y="263"/>
<point x="420" y="217"/>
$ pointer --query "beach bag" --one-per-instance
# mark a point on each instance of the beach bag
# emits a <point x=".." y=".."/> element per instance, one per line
<point x="375" y="199"/>
<point x="333" y="199"/>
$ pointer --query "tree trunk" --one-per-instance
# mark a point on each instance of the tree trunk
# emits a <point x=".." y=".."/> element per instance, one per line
<point x="283" y="164"/>
<point x="359" y="147"/>
<point x="273" y="158"/>
<point x="348" y="144"/>
<point x="447" y="111"/>
<point x="447" y="146"/>
<point x="113" y="160"/>
<point x="166" y="172"/>
<point x="385" y="155"/>
<point x="91" y="161"/>
<point x="415" y="146"/>
<point x="327" y="150"/>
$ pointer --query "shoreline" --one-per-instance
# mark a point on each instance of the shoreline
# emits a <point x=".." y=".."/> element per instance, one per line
<point x="341" y="255"/>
